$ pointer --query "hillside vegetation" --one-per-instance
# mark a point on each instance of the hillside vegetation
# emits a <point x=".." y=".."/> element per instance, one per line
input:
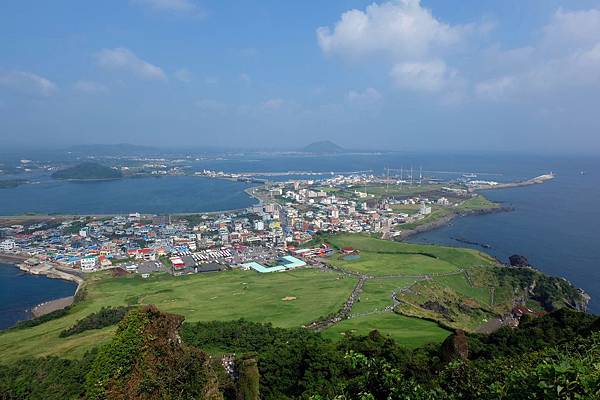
<point x="88" y="171"/>
<point x="552" y="357"/>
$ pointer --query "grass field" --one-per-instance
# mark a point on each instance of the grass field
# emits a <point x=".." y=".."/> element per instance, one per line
<point x="462" y="258"/>
<point x="476" y="203"/>
<point x="220" y="296"/>
<point x="393" y="264"/>
<point x="377" y="294"/>
<point x="459" y="284"/>
<point x="410" y="332"/>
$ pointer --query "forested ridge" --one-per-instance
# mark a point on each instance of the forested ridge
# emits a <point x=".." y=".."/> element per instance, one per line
<point x="157" y="355"/>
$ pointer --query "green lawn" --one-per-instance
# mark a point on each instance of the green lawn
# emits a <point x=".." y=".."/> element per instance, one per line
<point x="377" y="294"/>
<point x="459" y="284"/>
<point x="409" y="332"/>
<point x="393" y="264"/>
<point x="219" y="296"/>
<point x="476" y="203"/>
<point x="462" y="258"/>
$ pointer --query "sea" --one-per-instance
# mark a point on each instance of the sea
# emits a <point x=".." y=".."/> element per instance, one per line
<point x="20" y="292"/>
<point x="556" y="225"/>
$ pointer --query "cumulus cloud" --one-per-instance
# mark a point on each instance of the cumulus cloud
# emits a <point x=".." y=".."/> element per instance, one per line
<point x="124" y="59"/>
<point x="404" y="36"/>
<point x="27" y="83"/>
<point x="430" y="76"/>
<point x="400" y="29"/>
<point x="495" y="89"/>
<point x="566" y="56"/>
<point x="90" y="87"/>
<point x="187" y="7"/>
<point x="368" y="97"/>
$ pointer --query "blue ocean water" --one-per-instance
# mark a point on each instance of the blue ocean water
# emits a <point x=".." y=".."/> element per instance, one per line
<point x="556" y="225"/>
<point x="146" y="195"/>
<point x="20" y="292"/>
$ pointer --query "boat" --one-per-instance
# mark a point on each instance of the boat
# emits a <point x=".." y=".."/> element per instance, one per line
<point x="470" y="175"/>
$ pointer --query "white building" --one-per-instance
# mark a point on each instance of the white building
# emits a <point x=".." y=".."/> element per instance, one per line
<point x="424" y="209"/>
<point x="259" y="225"/>
<point x="88" y="264"/>
<point x="7" y="245"/>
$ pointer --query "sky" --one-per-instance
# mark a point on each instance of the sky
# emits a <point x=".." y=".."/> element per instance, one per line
<point x="437" y="75"/>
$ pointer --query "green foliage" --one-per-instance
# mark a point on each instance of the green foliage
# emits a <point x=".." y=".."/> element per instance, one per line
<point x="44" y="378"/>
<point x="88" y="171"/>
<point x="117" y="357"/>
<point x="107" y="316"/>
<point x="41" y="319"/>
<point x="533" y="334"/>
<point x="249" y="378"/>
<point x="550" y="291"/>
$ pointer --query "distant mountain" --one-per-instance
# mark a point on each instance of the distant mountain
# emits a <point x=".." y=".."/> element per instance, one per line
<point x="88" y="171"/>
<point x="323" y="147"/>
<point x="111" y="149"/>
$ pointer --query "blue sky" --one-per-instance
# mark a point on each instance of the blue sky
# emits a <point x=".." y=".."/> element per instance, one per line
<point x="403" y="74"/>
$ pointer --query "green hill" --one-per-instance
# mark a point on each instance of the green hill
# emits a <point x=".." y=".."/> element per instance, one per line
<point x="88" y="171"/>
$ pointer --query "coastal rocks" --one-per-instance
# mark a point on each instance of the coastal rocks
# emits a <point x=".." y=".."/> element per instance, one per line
<point x="517" y="260"/>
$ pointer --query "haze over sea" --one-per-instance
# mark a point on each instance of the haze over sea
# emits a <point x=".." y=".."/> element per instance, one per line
<point x="555" y="225"/>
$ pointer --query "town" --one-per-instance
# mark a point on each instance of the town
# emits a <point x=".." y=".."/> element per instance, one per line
<point x="274" y="235"/>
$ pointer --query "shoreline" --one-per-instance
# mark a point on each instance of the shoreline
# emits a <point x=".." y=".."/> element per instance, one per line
<point x="441" y="222"/>
<point x="51" y="272"/>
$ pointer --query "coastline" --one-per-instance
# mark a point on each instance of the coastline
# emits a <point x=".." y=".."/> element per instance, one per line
<point x="51" y="272"/>
<point x="443" y="221"/>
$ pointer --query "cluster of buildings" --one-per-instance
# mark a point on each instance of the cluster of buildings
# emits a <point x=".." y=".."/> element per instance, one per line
<point x="268" y="237"/>
<point x="344" y="204"/>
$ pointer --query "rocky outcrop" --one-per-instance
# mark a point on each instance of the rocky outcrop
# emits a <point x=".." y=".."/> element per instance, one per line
<point x="146" y="360"/>
<point x="455" y="347"/>
<point x="517" y="260"/>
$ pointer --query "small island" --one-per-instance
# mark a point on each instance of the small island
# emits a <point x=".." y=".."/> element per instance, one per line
<point x="87" y="172"/>
<point x="323" y="147"/>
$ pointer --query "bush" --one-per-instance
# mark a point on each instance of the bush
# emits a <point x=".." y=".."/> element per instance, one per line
<point x="107" y="316"/>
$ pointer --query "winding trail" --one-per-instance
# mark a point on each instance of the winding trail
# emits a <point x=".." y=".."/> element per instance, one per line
<point x="345" y="311"/>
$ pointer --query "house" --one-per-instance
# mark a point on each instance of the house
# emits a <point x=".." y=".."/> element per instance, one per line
<point x="7" y="245"/>
<point x="88" y="264"/>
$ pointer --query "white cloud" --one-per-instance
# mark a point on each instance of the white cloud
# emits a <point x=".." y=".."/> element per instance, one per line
<point x="27" y="83"/>
<point x="90" y="87"/>
<point x="566" y="57"/>
<point x="188" y="7"/>
<point x="569" y="29"/>
<point x="368" y="97"/>
<point x="431" y="76"/>
<point x="406" y="37"/>
<point x="400" y="29"/>
<point x="183" y="75"/>
<point x="124" y="59"/>
<point x="497" y="88"/>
